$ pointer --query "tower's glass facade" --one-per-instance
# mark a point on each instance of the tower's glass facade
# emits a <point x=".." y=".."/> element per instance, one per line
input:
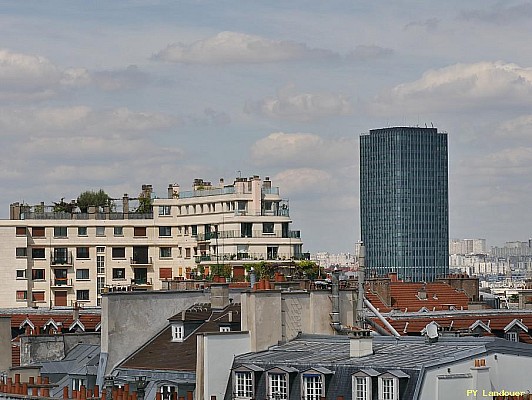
<point x="404" y="202"/>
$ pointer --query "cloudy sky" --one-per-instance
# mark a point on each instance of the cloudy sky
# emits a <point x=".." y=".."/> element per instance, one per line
<point x="114" y="94"/>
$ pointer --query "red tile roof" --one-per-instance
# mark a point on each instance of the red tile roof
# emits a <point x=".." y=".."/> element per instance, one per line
<point x="405" y="296"/>
<point x="460" y="323"/>
<point x="89" y="320"/>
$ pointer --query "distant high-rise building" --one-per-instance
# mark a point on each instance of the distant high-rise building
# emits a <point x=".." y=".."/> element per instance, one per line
<point x="404" y="202"/>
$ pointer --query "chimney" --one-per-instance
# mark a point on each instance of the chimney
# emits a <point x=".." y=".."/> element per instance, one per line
<point x="125" y="204"/>
<point x="360" y="344"/>
<point x="75" y="311"/>
<point x="422" y="293"/>
<point x="219" y="295"/>
<point x="173" y="191"/>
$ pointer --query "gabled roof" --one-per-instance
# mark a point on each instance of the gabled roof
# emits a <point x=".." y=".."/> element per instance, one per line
<point x="479" y="324"/>
<point x="77" y="323"/>
<point x="154" y="355"/>
<point x="28" y="322"/>
<point x="40" y="317"/>
<point x="516" y="324"/>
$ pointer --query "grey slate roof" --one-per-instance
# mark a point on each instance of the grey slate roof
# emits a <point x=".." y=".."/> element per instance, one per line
<point x="405" y="357"/>
<point x="75" y="362"/>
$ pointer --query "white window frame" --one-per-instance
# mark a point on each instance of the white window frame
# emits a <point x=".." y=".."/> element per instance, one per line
<point x="278" y="386"/>
<point x="166" y="391"/>
<point x="77" y="383"/>
<point x="178" y="332"/>
<point x="243" y="384"/>
<point x="361" y="387"/>
<point x="388" y="388"/>
<point x="100" y="264"/>
<point x="165" y="210"/>
<point x="512" y="336"/>
<point x="225" y="329"/>
<point x="312" y="386"/>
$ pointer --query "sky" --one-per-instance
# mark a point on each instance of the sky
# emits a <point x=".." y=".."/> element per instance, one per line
<point x="116" y="94"/>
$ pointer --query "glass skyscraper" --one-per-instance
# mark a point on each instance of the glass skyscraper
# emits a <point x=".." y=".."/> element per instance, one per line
<point x="404" y="202"/>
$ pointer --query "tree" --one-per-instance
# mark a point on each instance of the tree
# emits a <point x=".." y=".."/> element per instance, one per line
<point x="308" y="269"/>
<point x="92" y="198"/>
<point x="63" y="207"/>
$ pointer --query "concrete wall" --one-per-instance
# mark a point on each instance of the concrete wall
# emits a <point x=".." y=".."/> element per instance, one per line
<point x="273" y="315"/>
<point x="35" y="349"/>
<point x="216" y="352"/>
<point x="130" y="319"/>
<point x="262" y="309"/>
<point x="5" y="343"/>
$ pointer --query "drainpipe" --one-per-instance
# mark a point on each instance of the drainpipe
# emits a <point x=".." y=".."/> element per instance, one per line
<point x="335" y="314"/>
<point x="383" y="320"/>
<point x="361" y="277"/>
<point x="252" y="277"/>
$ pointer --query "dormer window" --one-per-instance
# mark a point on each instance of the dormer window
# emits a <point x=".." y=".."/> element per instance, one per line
<point x="388" y="387"/>
<point x="178" y="332"/>
<point x="225" y="329"/>
<point x="512" y="336"/>
<point x="363" y="384"/>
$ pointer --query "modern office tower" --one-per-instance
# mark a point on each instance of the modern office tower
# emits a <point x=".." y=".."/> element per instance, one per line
<point x="404" y="202"/>
<point x="51" y="257"/>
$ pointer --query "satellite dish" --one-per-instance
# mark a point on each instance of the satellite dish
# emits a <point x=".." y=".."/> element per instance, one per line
<point x="432" y="331"/>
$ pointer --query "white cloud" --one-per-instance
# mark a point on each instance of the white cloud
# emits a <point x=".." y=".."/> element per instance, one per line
<point x="292" y="105"/>
<point x="78" y="120"/>
<point x="234" y="47"/>
<point x="518" y="128"/>
<point x="368" y="52"/>
<point x="301" y="149"/>
<point x="303" y="180"/>
<point x="485" y="84"/>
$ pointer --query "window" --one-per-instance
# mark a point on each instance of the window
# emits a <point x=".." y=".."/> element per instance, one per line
<point x="60" y="231"/>
<point x="100" y="284"/>
<point x="119" y="252"/>
<point x="22" y="295"/>
<point x="165" y="273"/>
<point x="177" y="333"/>
<point x="100" y="231"/>
<point x="167" y="392"/>
<point x="165" y="210"/>
<point x="118" y="231"/>
<point x="388" y="388"/>
<point x="37" y="274"/>
<point x="38" y="231"/>
<point x="82" y="231"/>
<point x="225" y="329"/>
<point x="278" y="386"/>
<point x="37" y="296"/>
<point x="21" y="230"/>
<point x="139" y="231"/>
<point x="246" y="229"/>
<point x="272" y="252"/>
<point x="77" y="383"/>
<point x="194" y="230"/>
<point x="165" y="231"/>
<point x="165" y="252"/>
<point x="361" y="388"/>
<point x="312" y="386"/>
<point x="82" y="295"/>
<point x="100" y="249"/>
<point x="187" y="252"/>
<point x="21" y="252"/>
<point x="512" y="336"/>
<point x="267" y="227"/>
<point x="82" y="274"/>
<point x="244" y="384"/>
<point x="82" y="252"/>
<point x="100" y="264"/>
<point x="21" y="274"/>
<point x="37" y="252"/>
<point x="119" y="273"/>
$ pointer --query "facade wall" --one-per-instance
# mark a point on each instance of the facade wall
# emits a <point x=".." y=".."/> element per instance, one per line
<point x="404" y="202"/>
<point x="5" y="344"/>
<point x="216" y="352"/>
<point x="66" y="258"/>
<point x="502" y="373"/>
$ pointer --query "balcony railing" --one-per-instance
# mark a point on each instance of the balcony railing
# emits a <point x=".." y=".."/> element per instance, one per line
<point x="61" y="259"/>
<point x="83" y="216"/>
<point x="228" y="257"/>
<point x="206" y="192"/>
<point x="234" y="234"/>
<point x="141" y="261"/>
<point x="62" y="282"/>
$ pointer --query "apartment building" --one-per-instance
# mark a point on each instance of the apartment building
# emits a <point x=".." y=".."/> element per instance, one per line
<point x="51" y="258"/>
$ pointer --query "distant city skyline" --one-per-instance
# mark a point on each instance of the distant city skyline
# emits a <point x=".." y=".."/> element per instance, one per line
<point x="117" y="94"/>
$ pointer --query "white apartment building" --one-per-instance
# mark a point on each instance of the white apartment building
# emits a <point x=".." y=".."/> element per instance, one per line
<point x="53" y="259"/>
<point x="467" y="246"/>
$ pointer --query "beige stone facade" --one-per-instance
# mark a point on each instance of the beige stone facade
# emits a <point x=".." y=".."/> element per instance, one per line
<point x="54" y="259"/>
